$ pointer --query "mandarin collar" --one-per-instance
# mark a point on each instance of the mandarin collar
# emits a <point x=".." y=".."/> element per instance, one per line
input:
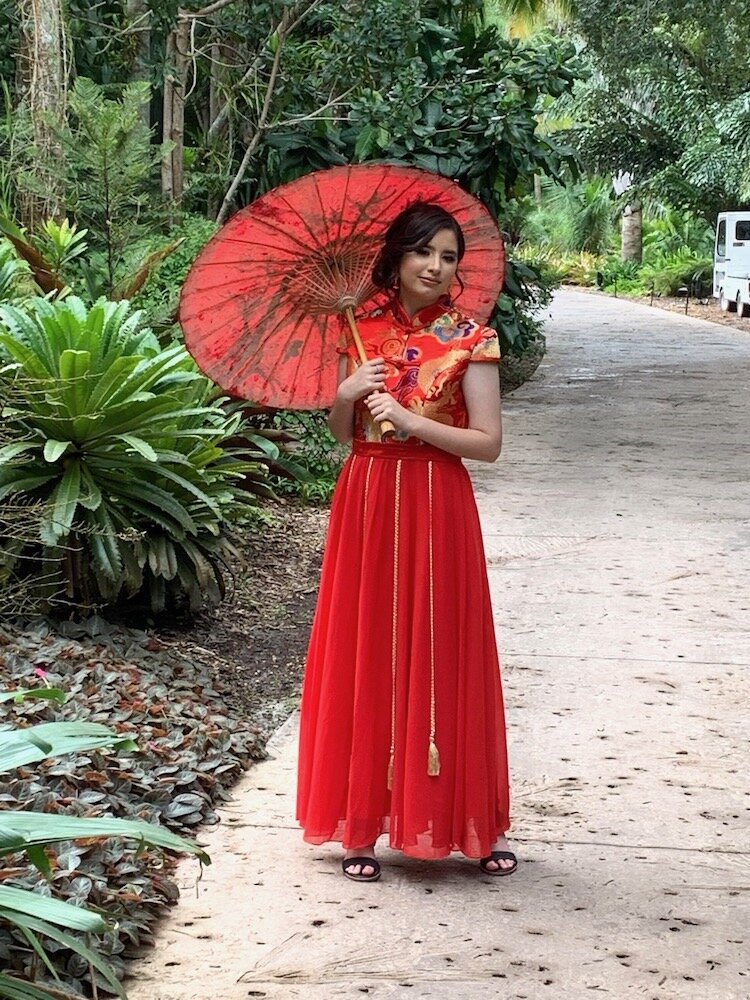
<point x="423" y="317"/>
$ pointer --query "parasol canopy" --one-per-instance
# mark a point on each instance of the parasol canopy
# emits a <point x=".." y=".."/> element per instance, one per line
<point x="262" y="306"/>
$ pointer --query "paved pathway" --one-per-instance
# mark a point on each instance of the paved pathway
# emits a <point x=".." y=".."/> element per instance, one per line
<point x="617" y="535"/>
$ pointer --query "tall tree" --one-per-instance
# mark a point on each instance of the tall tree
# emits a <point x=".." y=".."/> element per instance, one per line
<point x="668" y="99"/>
<point x="41" y="85"/>
<point x="173" y="113"/>
<point x="138" y="17"/>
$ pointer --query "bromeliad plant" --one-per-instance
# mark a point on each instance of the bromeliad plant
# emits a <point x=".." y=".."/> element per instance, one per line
<point x="123" y="445"/>
<point x="37" y="920"/>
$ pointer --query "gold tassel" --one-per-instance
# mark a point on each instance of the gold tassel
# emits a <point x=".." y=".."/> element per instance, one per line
<point x="390" y="773"/>
<point x="433" y="760"/>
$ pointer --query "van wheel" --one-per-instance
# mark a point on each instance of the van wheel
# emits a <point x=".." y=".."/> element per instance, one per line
<point x="725" y="304"/>
<point x="740" y="306"/>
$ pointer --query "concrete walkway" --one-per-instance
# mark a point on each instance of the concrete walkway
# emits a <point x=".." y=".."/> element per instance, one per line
<point x="618" y="541"/>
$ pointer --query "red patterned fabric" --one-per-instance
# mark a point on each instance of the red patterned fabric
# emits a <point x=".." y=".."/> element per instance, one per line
<point x="426" y="357"/>
<point x="404" y="623"/>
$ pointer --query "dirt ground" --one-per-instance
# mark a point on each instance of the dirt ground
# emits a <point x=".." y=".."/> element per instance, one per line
<point x="258" y="637"/>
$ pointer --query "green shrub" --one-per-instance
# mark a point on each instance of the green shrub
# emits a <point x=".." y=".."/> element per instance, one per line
<point x="123" y="446"/>
<point x="670" y="271"/>
<point x="315" y="450"/>
<point x="622" y="277"/>
<point x="528" y="288"/>
<point x="15" y="275"/>
<point x="579" y="217"/>
<point x="672" y="230"/>
<point x="664" y="272"/>
<point x="560" y="266"/>
<point x="110" y="168"/>
<point x="619" y="272"/>
<point x="160" y="294"/>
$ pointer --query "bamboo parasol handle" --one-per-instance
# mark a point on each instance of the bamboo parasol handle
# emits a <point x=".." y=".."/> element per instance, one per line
<point x="387" y="430"/>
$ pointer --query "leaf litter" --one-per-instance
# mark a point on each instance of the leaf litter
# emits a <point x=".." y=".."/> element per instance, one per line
<point x="199" y="697"/>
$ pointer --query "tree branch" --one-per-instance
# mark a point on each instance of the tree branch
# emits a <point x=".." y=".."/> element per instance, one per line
<point x="190" y="15"/>
<point x="261" y="126"/>
<point x="291" y="18"/>
<point x="333" y="103"/>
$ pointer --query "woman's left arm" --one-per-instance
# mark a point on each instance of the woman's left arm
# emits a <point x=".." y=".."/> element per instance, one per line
<point x="481" y="440"/>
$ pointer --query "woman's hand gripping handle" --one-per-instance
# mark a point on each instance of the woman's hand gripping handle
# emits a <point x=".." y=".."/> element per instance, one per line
<point x="369" y="378"/>
<point x="387" y="429"/>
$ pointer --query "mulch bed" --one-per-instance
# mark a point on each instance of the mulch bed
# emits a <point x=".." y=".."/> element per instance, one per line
<point x="703" y="310"/>
<point x="257" y="639"/>
<point x="199" y="698"/>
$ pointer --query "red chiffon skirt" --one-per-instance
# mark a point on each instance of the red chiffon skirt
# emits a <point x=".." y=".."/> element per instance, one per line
<point x="402" y="666"/>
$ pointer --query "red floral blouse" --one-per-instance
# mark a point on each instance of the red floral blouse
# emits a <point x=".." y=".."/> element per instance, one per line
<point x="426" y="358"/>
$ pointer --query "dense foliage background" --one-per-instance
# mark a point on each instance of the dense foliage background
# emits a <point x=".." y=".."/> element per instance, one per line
<point x="133" y="129"/>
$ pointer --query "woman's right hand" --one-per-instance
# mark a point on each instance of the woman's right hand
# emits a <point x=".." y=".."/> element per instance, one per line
<point x="369" y="377"/>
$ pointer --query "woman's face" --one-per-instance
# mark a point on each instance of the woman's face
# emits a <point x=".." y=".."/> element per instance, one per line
<point x="427" y="272"/>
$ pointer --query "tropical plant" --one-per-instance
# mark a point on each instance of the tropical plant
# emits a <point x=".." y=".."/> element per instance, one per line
<point x="668" y="272"/>
<point x="124" y="444"/>
<point x="37" y="920"/>
<point x="110" y="169"/>
<point x="667" y="100"/>
<point x="578" y="218"/>
<point x="531" y="288"/>
<point x="525" y="18"/>
<point x="61" y="243"/>
<point x="14" y="274"/>
<point x="668" y="230"/>
<point x="558" y="267"/>
<point x="43" y="273"/>
<point x="159" y="294"/>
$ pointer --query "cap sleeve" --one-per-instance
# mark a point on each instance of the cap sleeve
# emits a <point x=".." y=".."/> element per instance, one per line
<point x="486" y="346"/>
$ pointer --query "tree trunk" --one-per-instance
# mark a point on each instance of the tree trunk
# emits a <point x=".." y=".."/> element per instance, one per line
<point x="43" y="73"/>
<point x="174" y="112"/>
<point x="214" y="105"/>
<point x="139" y="16"/>
<point x="632" y="233"/>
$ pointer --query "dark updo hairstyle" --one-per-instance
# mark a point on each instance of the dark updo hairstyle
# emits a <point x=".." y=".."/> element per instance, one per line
<point x="411" y="229"/>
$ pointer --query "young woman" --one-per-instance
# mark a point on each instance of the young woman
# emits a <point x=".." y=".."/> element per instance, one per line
<point x="402" y="724"/>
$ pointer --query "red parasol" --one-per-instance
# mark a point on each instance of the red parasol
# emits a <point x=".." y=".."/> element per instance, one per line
<point x="260" y="307"/>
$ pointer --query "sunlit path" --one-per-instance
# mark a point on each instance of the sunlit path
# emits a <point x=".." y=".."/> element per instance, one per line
<point x="617" y="534"/>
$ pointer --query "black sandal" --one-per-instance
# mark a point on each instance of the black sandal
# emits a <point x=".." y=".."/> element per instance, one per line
<point x="499" y="856"/>
<point x="350" y="862"/>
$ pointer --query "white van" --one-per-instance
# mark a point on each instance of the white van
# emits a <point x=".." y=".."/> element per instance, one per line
<point x="732" y="262"/>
